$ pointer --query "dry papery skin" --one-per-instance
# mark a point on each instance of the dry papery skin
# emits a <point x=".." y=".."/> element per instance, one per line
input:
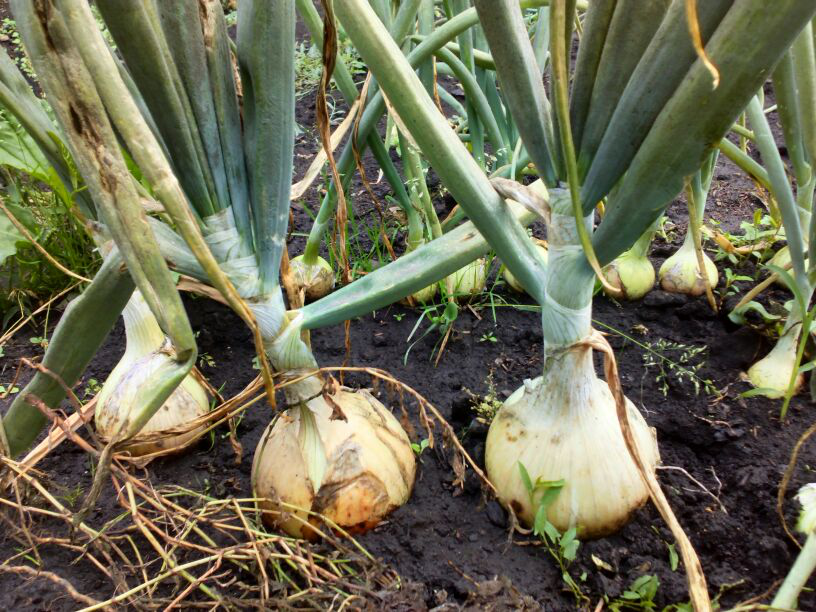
<point x="370" y="466"/>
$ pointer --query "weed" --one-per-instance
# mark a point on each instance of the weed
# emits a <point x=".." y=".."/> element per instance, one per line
<point x="729" y="288"/>
<point x="758" y="235"/>
<point x="309" y="64"/>
<point x="440" y="322"/>
<point x="49" y="217"/>
<point x="563" y="547"/>
<point x="40" y="341"/>
<point x="92" y="387"/>
<point x="488" y="336"/>
<point x="206" y="360"/>
<point x="6" y="391"/>
<point x="485" y="407"/>
<point x="8" y="29"/>
<point x="684" y="367"/>
<point x="72" y="495"/>
<point x="420" y="447"/>
<point x="639" y="596"/>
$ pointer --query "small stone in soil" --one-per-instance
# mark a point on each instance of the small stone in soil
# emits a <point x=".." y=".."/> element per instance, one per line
<point x="495" y="514"/>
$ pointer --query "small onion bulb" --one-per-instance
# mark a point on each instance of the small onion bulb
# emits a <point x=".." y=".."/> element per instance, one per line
<point x="470" y="280"/>
<point x="353" y="471"/>
<point x="510" y="278"/>
<point x="681" y="274"/>
<point x="564" y="425"/>
<point x="773" y="372"/>
<point x="424" y="296"/>
<point x="117" y="399"/>
<point x="316" y="280"/>
<point x="782" y="259"/>
<point x="632" y="274"/>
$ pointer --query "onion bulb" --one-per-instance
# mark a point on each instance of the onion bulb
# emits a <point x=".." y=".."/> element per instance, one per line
<point x="424" y="296"/>
<point x="143" y="356"/>
<point x="564" y="425"/>
<point x="632" y="274"/>
<point x="680" y="273"/>
<point x="511" y="280"/>
<point x="353" y="471"/>
<point x="773" y="372"/>
<point x="316" y="280"/>
<point x="469" y="280"/>
<point x="782" y="259"/>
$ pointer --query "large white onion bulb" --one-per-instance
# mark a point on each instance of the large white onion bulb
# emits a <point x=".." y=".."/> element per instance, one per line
<point x="116" y="402"/>
<point x="354" y="471"/>
<point x="564" y="425"/>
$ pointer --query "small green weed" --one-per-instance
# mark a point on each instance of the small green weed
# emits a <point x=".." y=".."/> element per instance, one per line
<point x="563" y="547"/>
<point x="419" y="447"/>
<point x="683" y="367"/>
<point x="487" y="406"/>
<point x="92" y="387"/>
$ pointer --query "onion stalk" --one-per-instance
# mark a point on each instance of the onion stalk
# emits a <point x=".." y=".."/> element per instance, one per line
<point x="776" y="375"/>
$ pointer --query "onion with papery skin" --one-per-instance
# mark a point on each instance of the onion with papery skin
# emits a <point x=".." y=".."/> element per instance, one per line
<point x="782" y="259"/>
<point x="144" y="354"/>
<point x="426" y="295"/>
<point x="773" y="372"/>
<point x="470" y="280"/>
<point x="564" y="425"/>
<point x="631" y="274"/>
<point x="681" y="274"/>
<point x="511" y="279"/>
<point x="353" y="471"/>
<point x="316" y="280"/>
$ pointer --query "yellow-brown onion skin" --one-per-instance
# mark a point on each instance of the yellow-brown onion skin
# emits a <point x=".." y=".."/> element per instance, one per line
<point x="316" y="280"/>
<point x="568" y="429"/>
<point x="680" y="273"/>
<point x="187" y="403"/>
<point x="631" y="275"/>
<point x="370" y="467"/>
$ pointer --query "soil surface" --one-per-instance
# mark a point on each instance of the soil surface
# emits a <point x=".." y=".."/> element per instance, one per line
<point x="450" y="545"/>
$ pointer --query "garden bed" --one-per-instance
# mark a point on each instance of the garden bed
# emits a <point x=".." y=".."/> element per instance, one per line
<point x="723" y="455"/>
<point x="448" y="543"/>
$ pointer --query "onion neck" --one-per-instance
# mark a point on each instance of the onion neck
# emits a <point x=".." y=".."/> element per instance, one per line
<point x="312" y="447"/>
<point x="142" y="332"/>
<point x="567" y="384"/>
<point x="566" y="315"/>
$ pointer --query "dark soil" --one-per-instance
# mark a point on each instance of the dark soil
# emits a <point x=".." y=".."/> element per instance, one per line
<point x="449" y="545"/>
